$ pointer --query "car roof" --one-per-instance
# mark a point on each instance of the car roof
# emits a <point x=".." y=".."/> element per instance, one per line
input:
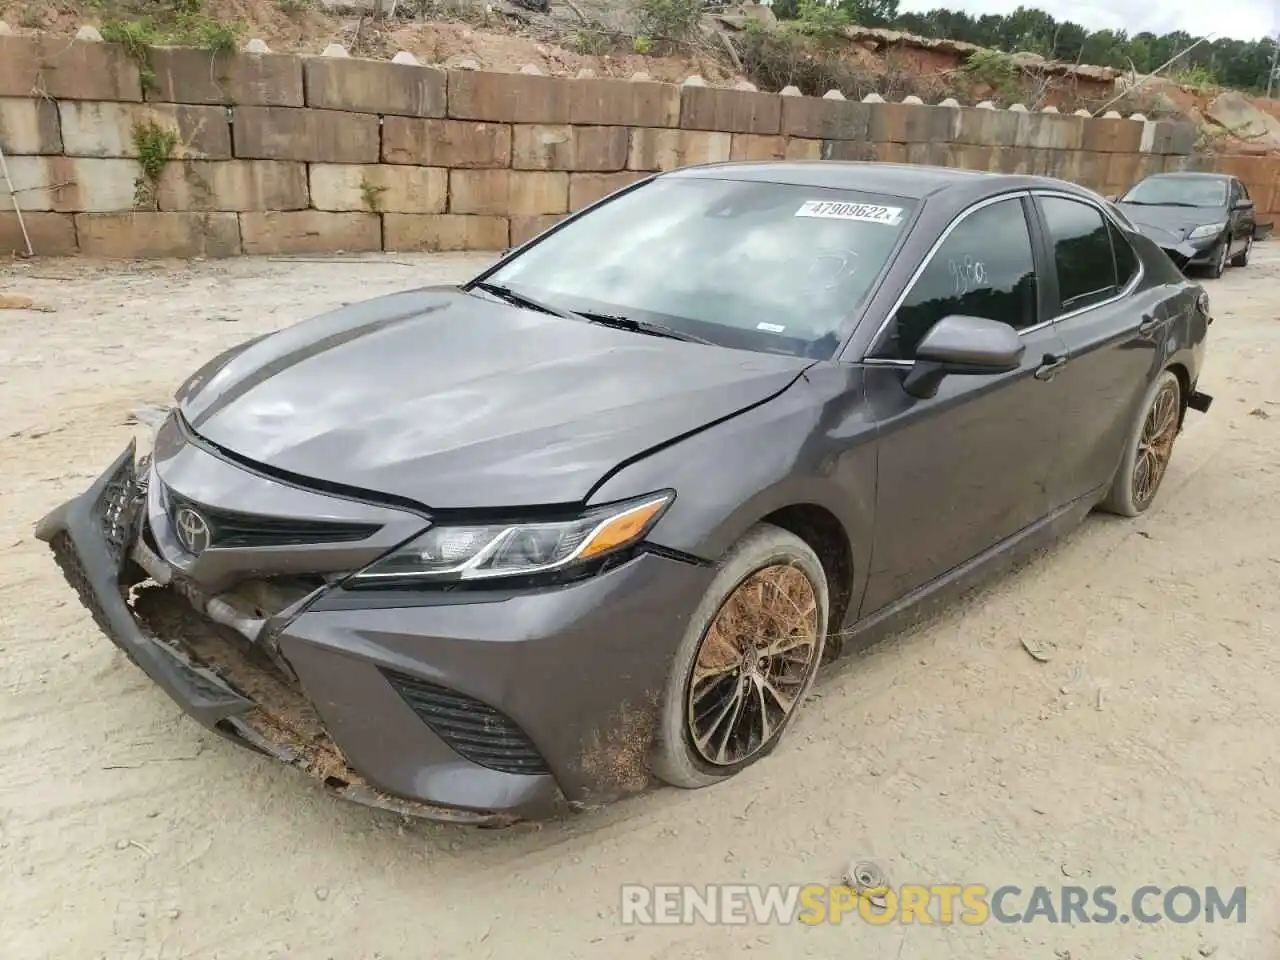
<point x="1186" y="175"/>
<point x="908" y="180"/>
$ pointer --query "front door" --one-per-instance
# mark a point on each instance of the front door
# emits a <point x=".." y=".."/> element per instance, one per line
<point x="961" y="471"/>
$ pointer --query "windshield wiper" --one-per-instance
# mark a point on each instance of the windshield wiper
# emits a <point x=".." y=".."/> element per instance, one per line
<point x="524" y="300"/>
<point x="606" y="319"/>
<point x="643" y="326"/>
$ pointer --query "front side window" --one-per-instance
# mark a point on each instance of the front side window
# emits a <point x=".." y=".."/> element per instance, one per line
<point x="1081" y="252"/>
<point x="773" y="267"/>
<point x="984" y="268"/>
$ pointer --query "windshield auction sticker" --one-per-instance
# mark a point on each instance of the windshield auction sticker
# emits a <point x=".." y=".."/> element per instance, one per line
<point x="863" y="212"/>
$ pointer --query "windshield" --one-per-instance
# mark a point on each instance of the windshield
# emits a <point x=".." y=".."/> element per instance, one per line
<point x="1184" y="191"/>
<point x="759" y="266"/>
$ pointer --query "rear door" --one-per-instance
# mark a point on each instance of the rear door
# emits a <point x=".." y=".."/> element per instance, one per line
<point x="960" y="471"/>
<point x="1111" y="330"/>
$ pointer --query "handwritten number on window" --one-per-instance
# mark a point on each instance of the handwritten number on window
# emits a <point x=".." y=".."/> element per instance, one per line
<point x="967" y="274"/>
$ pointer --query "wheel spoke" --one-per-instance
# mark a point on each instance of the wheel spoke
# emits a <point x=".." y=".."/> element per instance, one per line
<point x="723" y="723"/>
<point x="766" y="728"/>
<point x="784" y="702"/>
<point x="755" y="659"/>
<point x="1158" y="464"/>
<point x="1141" y="472"/>
<point x="1167" y="414"/>
<point x="701" y="676"/>
<point x="705" y="687"/>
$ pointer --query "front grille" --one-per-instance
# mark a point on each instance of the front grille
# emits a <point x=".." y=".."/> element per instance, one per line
<point x="228" y="528"/>
<point x="116" y="511"/>
<point x="474" y="730"/>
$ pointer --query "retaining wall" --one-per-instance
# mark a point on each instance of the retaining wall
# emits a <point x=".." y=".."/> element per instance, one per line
<point x="281" y="154"/>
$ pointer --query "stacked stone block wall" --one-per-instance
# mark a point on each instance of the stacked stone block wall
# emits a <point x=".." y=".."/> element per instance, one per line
<point x="279" y="154"/>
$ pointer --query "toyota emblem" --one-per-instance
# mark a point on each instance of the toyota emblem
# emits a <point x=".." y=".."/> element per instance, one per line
<point x="192" y="530"/>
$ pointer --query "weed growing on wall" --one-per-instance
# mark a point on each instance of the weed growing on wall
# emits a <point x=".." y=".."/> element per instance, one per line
<point x="155" y="145"/>
<point x="372" y="196"/>
<point x="179" y="23"/>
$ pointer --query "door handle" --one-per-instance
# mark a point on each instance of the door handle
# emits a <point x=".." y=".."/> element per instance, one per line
<point x="1148" y="325"/>
<point x="1050" y="365"/>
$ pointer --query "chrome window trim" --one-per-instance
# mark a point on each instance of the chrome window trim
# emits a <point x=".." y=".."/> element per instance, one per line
<point x="960" y="217"/>
<point x="928" y="259"/>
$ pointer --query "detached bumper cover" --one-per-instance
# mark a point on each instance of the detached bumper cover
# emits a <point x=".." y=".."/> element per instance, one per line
<point x="386" y="709"/>
<point x="92" y="563"/>
<point x="1190" y="253"/>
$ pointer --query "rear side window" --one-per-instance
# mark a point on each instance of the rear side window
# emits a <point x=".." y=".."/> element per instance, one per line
<point x="984" y="268"/>
<point x="1126" y="258"/>
<point x="1081" y="252"/>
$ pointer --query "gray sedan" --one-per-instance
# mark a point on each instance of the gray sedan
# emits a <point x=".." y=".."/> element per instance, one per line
<point x="600" y="515"/>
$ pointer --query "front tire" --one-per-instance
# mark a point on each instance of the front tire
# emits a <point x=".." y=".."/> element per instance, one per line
<point x="1219" y="266"/>
<point x="747" y="660"/>
<point x="1241" y="259"/>
<point x="1148" y="449"/>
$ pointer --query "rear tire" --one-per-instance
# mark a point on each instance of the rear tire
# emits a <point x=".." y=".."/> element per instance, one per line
<point x="747" y="660"/>
<point x="1241" y="259"/>
<point x="1148" y="449"/>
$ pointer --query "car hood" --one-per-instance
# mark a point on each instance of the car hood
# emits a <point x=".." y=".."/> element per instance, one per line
<point x="453" y="401"/>
<point x="1170" y="224"/>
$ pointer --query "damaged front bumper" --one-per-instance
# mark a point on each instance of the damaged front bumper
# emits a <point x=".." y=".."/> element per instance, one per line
<point x="334" y="685"/>
<point x="93" y="538"/>
<point x="1191" y="254"/>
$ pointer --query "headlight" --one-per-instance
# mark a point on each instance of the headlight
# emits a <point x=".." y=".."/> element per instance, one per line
<point x="1208" y="230"/>
<point x="485" y="551"/>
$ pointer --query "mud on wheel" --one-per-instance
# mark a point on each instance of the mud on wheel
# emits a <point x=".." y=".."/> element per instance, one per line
<point x="746" y="662"/>
<point x="1149" y="449"/>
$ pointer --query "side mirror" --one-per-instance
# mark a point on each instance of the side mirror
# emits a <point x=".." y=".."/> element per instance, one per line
<point x="963" y="345"/>
<point x="1242" y="204"/>
<point x="1112" y="197"/>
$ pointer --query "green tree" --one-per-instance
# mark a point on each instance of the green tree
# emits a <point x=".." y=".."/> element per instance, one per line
<point x="1235" y="63"/>
<point x="870" y="13"/>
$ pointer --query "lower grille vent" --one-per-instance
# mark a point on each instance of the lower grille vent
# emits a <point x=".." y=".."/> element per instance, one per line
<point x="474" y="730"/>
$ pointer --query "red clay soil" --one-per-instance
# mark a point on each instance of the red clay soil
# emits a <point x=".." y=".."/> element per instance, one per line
<point x="494" y="46"/>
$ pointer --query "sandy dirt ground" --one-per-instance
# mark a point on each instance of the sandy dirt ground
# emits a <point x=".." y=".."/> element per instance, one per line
<point x="947" y="755"/>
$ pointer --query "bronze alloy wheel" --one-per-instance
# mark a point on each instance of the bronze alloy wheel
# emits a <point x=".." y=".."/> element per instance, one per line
<point x="753" y="664"/>
<point x="1155" y="445"/>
